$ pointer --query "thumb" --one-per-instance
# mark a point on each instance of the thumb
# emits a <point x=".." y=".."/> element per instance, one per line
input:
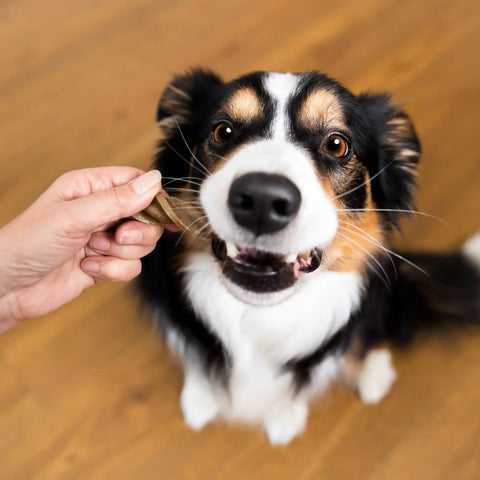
<point x="113" y="204"/>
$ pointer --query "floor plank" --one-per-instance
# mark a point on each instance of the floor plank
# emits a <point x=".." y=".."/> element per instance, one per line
<point x="89" y="391"/>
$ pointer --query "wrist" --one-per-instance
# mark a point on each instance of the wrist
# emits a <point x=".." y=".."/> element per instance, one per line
<point x="5" y="260"/>
<point x="4" y="266"/>
<point x="9" y="312"/>
<point x="9" y="308"/>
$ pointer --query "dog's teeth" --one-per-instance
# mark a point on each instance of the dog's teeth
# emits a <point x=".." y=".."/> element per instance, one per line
<point x="305" y="255"/>
<point x="232" y="250"/>
<point x="291" y="258"/>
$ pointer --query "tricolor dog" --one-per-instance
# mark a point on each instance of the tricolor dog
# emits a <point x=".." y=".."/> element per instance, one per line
<point x="301" y="184"/>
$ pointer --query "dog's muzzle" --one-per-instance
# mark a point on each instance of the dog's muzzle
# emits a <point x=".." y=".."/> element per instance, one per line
<point x="263" y="204"/>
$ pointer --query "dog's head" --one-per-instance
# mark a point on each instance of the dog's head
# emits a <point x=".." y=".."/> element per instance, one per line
<point x="295" y="173"/>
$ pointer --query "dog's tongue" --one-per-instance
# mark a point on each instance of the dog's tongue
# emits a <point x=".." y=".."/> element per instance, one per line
<point x="260" y="271"/>
<point x="301" y="263"/>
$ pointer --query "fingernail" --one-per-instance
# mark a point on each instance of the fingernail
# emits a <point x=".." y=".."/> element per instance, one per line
<point x="146" y="182"/>
<point x="130" y="237"/>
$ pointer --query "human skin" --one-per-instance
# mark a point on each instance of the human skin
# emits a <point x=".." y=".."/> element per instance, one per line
<point x="69" y="239"/>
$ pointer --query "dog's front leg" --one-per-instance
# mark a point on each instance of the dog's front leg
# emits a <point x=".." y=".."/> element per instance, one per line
<point x="376" y="376"/>
<point x="197" y="400"/>
<point x="286" y="420"/>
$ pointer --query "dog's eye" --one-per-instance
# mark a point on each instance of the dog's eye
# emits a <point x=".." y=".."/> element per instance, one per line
<point x="223" y="133"/>
<point x="335" y="145"/>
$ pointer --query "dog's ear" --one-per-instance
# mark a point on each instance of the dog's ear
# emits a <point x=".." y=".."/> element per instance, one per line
<point x="186" y="101"/>
<point x="398" y="154"/>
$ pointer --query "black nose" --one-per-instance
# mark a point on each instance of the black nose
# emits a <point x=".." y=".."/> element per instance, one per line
<point x="263" y="202"/>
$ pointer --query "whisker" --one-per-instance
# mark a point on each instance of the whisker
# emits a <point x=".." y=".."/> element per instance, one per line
<point x="220" y="157"/>
<point x="188" y="207"/>
<point x="366" y="181"/>
<point x="204" y="168"/>
<point x="197" y="233"/>
<point x="404" y="259"/>
<point x="386" y="280"/>
<point x="184" y="200"/>
<point x="171" y="147"/>
<point x="407" y="261"/>
<point x="202" y="217"/>
<point x="399" y="210"/>
<point x="207" y="225"/>
<point x="181" y="189"/>
<point x="173" y="180"/>
<point x="369" y="238"/>
<point x="183" y="178"/>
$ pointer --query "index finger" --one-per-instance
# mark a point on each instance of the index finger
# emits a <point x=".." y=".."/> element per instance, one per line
<point x="83" y="182"/>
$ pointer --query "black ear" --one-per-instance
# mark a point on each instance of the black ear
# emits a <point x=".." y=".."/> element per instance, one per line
<point x="398" y="153"/>
<point x="185" y="104"/>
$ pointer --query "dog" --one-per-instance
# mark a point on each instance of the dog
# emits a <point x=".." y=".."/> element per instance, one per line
<point x="301" y="184"/>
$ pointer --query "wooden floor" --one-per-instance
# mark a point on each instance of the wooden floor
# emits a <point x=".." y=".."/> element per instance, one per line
<point x="89" y="392"/>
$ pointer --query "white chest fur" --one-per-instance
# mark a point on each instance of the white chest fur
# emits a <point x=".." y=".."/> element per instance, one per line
<point x="321" y="304"/>
<point x="260" y="339"/>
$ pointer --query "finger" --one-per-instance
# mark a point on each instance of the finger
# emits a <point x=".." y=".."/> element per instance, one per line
<point x="80" y="183"/>
<point x="112" y="204"/>
<point x="111" y="269"/>
<point x="103" y="243"/>
<point x="138" y="233"/>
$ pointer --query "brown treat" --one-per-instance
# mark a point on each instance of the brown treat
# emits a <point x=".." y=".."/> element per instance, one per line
<point x="172" y="210"/>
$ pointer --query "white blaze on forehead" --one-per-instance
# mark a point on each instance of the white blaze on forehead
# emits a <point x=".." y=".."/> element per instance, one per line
<point x="314" y="225"/>
<point x="280" y="87"/>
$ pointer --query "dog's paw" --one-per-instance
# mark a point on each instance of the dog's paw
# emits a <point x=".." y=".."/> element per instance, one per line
<point x="198" y="404"/>
<point x="471" y="248"/>
<point x="284" y="424"/>
<point x="377" y="376"/>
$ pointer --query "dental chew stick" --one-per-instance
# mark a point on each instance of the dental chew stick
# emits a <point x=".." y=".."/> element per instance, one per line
<point x="172" y="210"/>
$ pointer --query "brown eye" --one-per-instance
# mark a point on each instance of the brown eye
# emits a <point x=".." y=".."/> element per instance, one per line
<point x="223" y="133"/>
<point x="335" y="145"/>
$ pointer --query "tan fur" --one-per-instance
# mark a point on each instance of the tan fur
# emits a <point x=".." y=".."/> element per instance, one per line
<point x="402" y="129"/>
<point x="358" y="236"/>
<point x="321" y="108"/>
<point x="176" y="102"/>
<point x="244" y="105"/>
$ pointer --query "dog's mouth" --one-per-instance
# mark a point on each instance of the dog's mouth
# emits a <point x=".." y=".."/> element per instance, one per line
<point x="260" y="271"/>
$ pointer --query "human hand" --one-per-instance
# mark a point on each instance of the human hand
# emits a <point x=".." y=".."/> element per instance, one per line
<point x="63" y="242"/>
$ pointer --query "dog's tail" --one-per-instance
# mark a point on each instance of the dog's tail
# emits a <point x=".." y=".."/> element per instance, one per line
<point x="430" y="291"/>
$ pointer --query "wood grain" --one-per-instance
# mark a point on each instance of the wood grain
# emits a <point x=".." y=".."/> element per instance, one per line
<point x="89" y="392"/>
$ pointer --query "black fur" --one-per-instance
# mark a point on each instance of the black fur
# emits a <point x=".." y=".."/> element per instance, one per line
<point x="396" y="308"/>
<point x="445" y="296"/>
<point x="382" y="134"/>
<point x="302" y="368"/>
<point x="160" y="284"/>
<point x="390" y="134"/>
<point x="385" y="143"/>
<point x="188" y="109"/>
<point x="181" y="113"/>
